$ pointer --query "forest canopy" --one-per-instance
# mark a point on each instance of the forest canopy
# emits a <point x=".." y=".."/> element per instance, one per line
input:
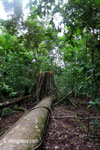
<point x="57" y="35"/>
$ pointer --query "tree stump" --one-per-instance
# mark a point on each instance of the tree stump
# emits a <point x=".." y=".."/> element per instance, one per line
<point x="45" y="86"/>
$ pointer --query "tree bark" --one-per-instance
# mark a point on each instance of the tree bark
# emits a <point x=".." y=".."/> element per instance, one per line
<point x="27" y="133"/>
<point x="45" y="86"/>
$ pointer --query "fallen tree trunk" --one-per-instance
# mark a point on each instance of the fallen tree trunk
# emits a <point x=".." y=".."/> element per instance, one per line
<point x="27" y="133"/>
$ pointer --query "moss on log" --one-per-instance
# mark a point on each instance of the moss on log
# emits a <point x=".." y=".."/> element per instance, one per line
<point x="27" y="133"/>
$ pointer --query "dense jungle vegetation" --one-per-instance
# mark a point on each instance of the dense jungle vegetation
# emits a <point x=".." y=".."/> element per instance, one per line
<point x="57" y="36"/>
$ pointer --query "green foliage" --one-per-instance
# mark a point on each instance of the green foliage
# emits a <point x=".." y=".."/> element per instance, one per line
<point x="95" y="124"/>
<point x="95" y="103"/>
<point x="34" y="44"/>
<point x="6" y="112"/>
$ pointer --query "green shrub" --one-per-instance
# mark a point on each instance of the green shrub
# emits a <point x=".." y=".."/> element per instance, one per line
<point x="6" y="111"/>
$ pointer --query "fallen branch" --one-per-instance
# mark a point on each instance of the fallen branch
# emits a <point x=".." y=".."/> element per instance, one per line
<point x="9" y="102"/>
<point x="66" y="96"/>
<point x="81" y="118"/>
<point x="20" y="109"/>
<point x="92" y="137"/>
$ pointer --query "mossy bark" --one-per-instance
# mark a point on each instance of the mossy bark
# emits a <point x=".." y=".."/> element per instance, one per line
<point x="28" y="132"/>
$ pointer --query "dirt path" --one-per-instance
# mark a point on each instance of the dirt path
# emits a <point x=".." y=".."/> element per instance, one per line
<point x="67" y="130"/>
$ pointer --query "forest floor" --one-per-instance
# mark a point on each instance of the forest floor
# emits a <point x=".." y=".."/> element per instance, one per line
<point x="69" y="128"/>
